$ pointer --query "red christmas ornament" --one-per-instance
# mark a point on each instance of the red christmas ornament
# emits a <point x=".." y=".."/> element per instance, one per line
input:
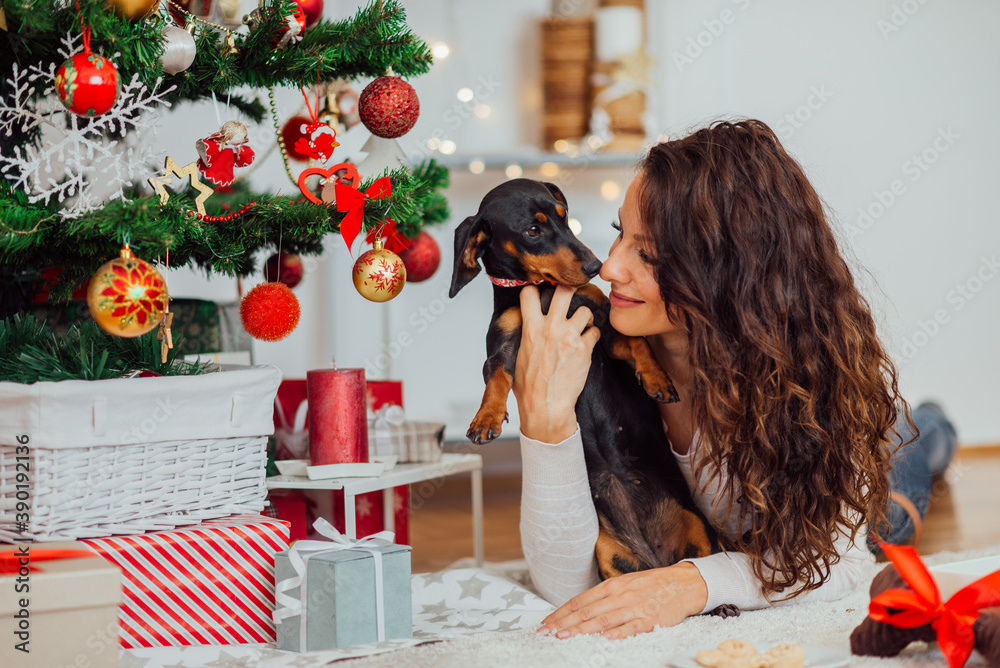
<point x="313" y="9"/>
<point x="222" y="151"/>
<point x="318" y="141"/>
<point x="391" y="237"/>
<point x="87" y="84"/>
<point x="270" y="312"/>
<point x="389" y="107"/>
<point x="295" y="25"/>
<point x="421" y="259"/>
<point x="284" y="268"/>
<point x="294" y="130"/>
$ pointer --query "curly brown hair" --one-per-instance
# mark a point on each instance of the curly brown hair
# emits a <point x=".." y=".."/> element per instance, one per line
<point x="794" y="394"/>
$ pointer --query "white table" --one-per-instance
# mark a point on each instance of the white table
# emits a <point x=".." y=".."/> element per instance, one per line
<point x="402" y="474"/>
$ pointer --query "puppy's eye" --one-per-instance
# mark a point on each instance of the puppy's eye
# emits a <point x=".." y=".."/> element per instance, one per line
<point x="533" y="231"/>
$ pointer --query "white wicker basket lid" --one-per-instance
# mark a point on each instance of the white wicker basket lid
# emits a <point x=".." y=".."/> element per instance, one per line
<point x="237" y="402"/>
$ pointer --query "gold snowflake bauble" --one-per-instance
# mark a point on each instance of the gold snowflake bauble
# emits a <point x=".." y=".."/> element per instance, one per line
<point x="126" y="296"/>
<point x="379" y="274"/>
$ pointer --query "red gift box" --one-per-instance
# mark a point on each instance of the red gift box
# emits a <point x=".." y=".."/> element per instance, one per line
<point x="330" y="505"/>
<point x="384" y="393"/>
<point x="206" y="584"/>
<point x="291" y="506"/>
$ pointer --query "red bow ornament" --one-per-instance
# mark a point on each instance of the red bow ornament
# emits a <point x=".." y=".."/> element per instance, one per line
<point x="353" y="201"/>
<point x="951" y="620"/>
<point x="393" y="239"/>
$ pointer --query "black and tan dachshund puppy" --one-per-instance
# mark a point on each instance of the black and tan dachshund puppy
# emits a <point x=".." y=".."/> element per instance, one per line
<point x="647" y="517"/>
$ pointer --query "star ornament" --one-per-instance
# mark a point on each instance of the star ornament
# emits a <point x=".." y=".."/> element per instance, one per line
<point x="189" y="170"/>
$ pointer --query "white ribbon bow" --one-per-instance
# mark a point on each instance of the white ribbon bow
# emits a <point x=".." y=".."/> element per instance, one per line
<point x="294" y="438"/>
<point x="299" y="555"/>
<point x="382" y="421"/>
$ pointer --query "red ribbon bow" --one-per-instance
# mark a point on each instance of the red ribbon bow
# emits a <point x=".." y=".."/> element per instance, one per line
<point x="952" y="620"/>
<point x="353" y="201"/>
<point x="394" y="240"/>
<point x="10" y="562"/>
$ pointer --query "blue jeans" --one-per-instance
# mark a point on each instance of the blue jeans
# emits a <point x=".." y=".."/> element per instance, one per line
<point x="914" y="465"/>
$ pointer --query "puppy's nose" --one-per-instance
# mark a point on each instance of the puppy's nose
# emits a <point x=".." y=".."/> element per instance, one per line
<point x="592" y="269"/>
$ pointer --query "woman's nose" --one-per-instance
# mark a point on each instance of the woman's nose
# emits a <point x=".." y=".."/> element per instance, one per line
<point x="611" y="270"/>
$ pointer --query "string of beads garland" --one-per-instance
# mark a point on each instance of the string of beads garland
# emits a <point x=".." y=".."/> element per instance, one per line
<point x="227" y="217"/>
<point x="281" y="140"/>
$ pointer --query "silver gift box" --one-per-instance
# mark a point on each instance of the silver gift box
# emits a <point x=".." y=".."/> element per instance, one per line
<point x="341" y="600"/>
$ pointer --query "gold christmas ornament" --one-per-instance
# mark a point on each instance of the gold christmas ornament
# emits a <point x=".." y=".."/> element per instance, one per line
<point x="126" y="296"/>
<point x="379" y="274"/>
<point x="134" y="10"/>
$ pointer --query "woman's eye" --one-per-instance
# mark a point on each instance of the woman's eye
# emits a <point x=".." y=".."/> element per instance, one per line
<point x="533" y="231"/>
<point x="645" y="257"/>
<point x="618" y="227"/>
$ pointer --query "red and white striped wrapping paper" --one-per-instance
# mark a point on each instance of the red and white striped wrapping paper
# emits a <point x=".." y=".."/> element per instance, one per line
<point x="205" y="584"/>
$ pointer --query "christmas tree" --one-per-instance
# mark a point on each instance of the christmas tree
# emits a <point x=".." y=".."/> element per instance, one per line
<point x="81" y="81"/>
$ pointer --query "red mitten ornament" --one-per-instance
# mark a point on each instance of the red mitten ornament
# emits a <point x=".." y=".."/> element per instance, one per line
<point x="221" y="152"/>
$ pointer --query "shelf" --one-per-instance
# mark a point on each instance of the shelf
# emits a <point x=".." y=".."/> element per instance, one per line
<point x="533" y="160"/>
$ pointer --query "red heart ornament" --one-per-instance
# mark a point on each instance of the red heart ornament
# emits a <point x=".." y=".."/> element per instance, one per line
<point x="351" y="177"/>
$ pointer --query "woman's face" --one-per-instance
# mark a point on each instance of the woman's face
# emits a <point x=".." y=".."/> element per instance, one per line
<point x="637" y="309"/>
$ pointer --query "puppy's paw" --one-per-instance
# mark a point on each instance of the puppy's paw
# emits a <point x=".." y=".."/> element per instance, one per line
<point x="657" y="384"/>
<point x="485" y="427"/>
<point x="725" y="610"/>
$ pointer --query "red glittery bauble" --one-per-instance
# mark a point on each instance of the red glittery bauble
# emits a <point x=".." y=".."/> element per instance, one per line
<point x="269" y="312"/>
<point x="313" y="9"/>
<point x="389" y="107"/>
<point x="284" y="268"/>
<point x="421" y="258"/>
<point x="87" y="84"/>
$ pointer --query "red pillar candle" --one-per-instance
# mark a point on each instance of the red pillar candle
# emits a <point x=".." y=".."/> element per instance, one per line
<point x="338" y="421"/>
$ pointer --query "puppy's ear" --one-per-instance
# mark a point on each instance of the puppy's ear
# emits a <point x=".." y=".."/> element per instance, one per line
<point x="471" y="238"/>
<point x="556" y="193"/>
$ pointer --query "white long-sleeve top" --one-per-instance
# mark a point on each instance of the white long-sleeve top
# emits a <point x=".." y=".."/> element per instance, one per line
<point x="559" y="531"/>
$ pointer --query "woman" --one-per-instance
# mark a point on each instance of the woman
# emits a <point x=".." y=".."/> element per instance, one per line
<point x="726" y="263"/>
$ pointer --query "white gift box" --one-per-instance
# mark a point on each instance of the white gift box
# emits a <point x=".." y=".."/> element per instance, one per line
<point x="959" y="574"/>
<point x="96" y="458"/>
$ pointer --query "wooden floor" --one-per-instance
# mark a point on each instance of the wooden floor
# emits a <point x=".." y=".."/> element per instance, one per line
<point x="963" y="514"/>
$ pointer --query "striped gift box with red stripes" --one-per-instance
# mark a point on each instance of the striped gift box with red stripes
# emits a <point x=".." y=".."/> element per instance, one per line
<point x="206" y="584"/>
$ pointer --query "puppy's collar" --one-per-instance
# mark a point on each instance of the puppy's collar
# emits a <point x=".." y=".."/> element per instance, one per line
<point x="511" y="282"/>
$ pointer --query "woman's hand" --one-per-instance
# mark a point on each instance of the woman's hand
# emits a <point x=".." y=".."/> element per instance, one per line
<point x="552" y="364"/>
<point x="632" y="603"/>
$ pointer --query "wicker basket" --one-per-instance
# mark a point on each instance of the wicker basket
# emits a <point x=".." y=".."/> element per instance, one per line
<point x="85" y="459"/>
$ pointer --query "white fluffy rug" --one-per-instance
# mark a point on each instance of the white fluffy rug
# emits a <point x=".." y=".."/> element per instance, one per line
<point x="825" y="624"/>
<point x="486" y="617"/>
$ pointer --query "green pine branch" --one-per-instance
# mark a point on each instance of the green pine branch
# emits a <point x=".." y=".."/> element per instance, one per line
<point x="31" y="351"/>
<point x="36" y="236"/>
<point x="375" y="39"/>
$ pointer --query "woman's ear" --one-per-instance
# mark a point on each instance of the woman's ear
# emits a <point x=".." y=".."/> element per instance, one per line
<point x="471" y="238"/>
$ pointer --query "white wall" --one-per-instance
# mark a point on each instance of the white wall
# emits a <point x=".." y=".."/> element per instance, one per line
<point x="879" y="97"/>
